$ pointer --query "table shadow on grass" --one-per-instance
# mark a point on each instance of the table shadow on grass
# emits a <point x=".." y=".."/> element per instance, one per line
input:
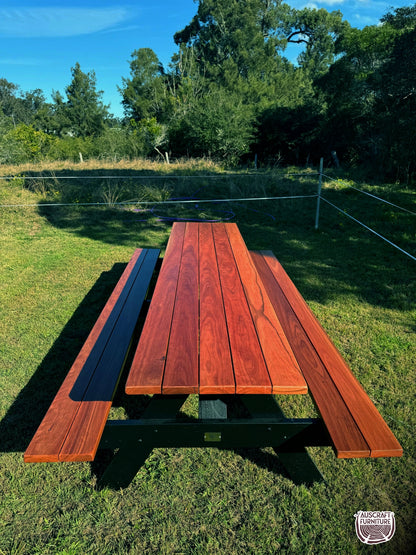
<point x="27" y="411"/>
<point x="342" y="258"/>
<point x="65" y="202"/>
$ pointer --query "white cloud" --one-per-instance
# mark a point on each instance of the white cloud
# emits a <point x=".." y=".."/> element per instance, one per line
<point x="316" y="4"/>
<point x="364" y="19"/>
<point x="58" y="22"/>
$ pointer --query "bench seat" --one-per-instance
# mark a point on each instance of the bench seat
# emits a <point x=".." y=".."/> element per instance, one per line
<point x="354" y="424"/>
<point x="72" y="427"/>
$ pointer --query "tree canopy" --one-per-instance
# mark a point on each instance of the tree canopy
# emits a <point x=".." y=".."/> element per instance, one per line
<point x="231" y="91"/>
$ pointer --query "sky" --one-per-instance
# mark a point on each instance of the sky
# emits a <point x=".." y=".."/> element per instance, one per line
<point x="41" y="40"/>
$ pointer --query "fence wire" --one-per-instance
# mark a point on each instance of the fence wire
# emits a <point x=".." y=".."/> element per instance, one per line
<point x="154" y="202"/>
<point x="373" y="196"/>
<point x="207" y="201"/>
<point x="369" y="229"/>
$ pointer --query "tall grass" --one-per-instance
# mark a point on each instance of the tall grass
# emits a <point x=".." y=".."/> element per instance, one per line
<point x="58" y="266"/>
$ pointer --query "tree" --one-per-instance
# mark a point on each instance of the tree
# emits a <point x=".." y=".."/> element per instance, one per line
<point x="24" y="107"/>
<point x="238" y="47"/>
<point x="370" y="96"/>
<point x="30" y="144"/>
<point x="235" y="39"/>
<point x="145" y="94"/>
<point x="9" y="101"/>
<point x="319" y="31"/>
<point x="218" y="125"/>
<point x="397" y="98"/>
<point x="83" y="114"/>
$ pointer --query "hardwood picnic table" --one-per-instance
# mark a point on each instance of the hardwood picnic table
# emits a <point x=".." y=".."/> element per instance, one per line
<point x="228" y="325"/>
<point x="211" y="328"/>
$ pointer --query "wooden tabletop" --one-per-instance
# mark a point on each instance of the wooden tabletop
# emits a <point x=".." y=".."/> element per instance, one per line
<point x="211" y="328"/>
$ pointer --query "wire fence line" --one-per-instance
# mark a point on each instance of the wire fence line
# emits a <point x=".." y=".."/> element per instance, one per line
<point x="154" y="202"/>
<point x="369" y="228"/>
<point x="373" y="196"/>
<point x="156" y="177"/>
<point x="318" y="195"/>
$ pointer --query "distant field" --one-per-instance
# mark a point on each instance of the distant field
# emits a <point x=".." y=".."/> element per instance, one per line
<point x="58" y="266"/>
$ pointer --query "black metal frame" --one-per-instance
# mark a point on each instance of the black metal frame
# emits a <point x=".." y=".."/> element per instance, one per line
<point x="264" y="426"/>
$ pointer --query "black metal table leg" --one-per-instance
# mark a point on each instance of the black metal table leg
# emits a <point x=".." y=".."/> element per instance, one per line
<point x="292" y="453"/>
<point x="130" y="457"/>
<point x="134" y="440"/>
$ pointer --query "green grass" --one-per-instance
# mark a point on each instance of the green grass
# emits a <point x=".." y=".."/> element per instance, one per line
<point x="58" y="266"/>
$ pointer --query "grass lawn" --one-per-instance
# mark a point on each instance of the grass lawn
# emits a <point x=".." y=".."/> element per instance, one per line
<point x="58" y="267"/>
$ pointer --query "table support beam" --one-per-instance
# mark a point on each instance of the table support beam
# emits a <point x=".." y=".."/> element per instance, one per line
<point x="134" y="440"/>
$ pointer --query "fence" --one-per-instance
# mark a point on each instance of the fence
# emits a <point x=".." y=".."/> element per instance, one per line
<point x="319" y="196"/>
<point x="322" y="198"/>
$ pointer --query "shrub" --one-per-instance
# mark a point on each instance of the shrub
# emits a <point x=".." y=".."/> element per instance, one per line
<point x="24" y="143"/>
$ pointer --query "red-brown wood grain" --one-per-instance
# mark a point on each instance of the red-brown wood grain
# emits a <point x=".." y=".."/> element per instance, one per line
<point x="222" y="320"/>
<point x="250" y="371"/>
<point x="281" y="363"/>
<point x="346" y="389"/>
<point x="146" y="373"/>
<point x="216" y="368"/>
<point x="181" y="370"/>
<point x="88" y="424"/>
<point x="211" y="328"/>
<point x="53" y="430"/>
<point x="344" y="432"/>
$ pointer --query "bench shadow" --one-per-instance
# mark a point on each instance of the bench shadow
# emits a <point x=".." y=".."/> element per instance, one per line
<point x="27" y="411"/>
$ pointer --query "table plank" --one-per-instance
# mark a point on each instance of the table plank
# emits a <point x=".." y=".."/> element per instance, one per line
<point x="211" y="328"/>
<point x="181" y="370"/>
<point x="146" y="373"/>
<point x="250" y="370"/>
<point x="216" y="368"/>
<point x="281" y="363"/>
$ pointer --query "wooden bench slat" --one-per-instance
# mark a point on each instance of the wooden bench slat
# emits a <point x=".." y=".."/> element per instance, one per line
<point x="344" y="432"/>
<point x="216" y="368"/>
<point x="366" y="417"/>
<point x="282" y="366"/>
<point x="52" y="431"/>
<point x="251" y="375"/>
<point x="146" y="373"/>
<point x="181" y="370"/>
<point x="84" y="435"/>
<point x="50" y="436"/>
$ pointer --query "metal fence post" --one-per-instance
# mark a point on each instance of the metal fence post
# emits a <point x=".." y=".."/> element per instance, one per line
<point x="318" y="201"/>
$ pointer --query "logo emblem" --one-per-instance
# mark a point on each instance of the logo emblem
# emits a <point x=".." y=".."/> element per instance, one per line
<point x="375" y="526"/>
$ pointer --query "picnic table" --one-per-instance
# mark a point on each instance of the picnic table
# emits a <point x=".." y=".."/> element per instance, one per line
<point x="226" y="324"/>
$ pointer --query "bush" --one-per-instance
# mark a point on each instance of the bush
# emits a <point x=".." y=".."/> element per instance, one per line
<point x="24" y="143"/>
<point x="70" y="148"/>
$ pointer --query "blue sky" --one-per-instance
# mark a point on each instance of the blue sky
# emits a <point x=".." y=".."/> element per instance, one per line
<point x="40" y="40"/>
